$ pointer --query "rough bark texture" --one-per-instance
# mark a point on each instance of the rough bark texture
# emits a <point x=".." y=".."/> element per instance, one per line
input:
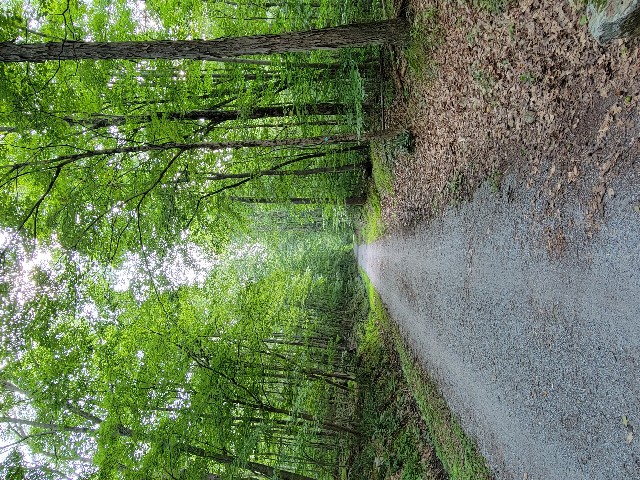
<point x="355" y="35"/>
<point x="618" y="19"/>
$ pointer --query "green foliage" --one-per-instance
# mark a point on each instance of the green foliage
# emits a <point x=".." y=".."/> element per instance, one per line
<point x="394" y="442"/>
<point x="372" y="224"/>
<point x="250" y="363"/>
<point x="427" y="34"/>
<point x="68" y="166"/>
<point x="527" y="78"/>
<point x="154" y="326"/>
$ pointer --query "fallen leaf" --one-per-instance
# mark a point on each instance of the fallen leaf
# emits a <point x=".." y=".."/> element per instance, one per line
<point x="625" y="420"/>
<point x="629" y="437"/>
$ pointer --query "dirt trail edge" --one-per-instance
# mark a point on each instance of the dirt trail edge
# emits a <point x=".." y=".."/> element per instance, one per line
<point x="537" y="352"/>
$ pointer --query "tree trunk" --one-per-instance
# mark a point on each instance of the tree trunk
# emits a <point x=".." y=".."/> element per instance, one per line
<point x="212" y="115"/>
<point x="45" y="426"/>
<point x="259" y="468"/>
<point x="299" y="201"/>
<point x="283" y="173"/>
<point x="63" y="160"/>
<point x="355" y="35"/>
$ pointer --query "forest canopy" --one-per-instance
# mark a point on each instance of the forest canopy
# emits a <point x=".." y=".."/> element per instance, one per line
<point x="175" y="263"/>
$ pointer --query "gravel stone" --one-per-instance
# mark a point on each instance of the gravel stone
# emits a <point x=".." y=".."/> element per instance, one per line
<point x="531" y="331"/>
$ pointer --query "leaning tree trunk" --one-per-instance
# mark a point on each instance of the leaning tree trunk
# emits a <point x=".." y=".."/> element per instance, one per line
<point x="304" y="142"/>
<point x="355" y="35"/>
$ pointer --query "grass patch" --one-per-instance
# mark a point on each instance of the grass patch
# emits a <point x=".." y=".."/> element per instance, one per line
<point x="427" y="34"/>
<point x="372" y="224"/>
<point x="492" y="6"/>
<point x="381" y="184"/>
<point x="455" y="452"/>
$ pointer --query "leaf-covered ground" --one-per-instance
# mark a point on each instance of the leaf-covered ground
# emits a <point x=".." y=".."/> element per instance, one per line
<point x="522" y="90"/>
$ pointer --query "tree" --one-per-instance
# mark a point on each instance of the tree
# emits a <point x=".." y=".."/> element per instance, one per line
<point x="229" y="377"/>
<point x="355" y="35"/>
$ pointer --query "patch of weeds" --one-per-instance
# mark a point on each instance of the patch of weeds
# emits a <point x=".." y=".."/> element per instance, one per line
<point x="527" y="78"/>
<point x="455" y="185"/>
<point x="471" y="36"/>
<point x="495" y="181"/>
<point x="482" y="78"/>
<point x="394" y="442"/>
<point x="401" y="144"/>
<point x="435" y="206"/>
<point x="383" y="154"/>
<point x="372" y="224"/>
<point x="599" y="4"/>
<point x="427" y="34"/>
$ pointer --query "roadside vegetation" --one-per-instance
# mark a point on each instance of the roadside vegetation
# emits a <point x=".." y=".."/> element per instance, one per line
<point x="406" y="429"/>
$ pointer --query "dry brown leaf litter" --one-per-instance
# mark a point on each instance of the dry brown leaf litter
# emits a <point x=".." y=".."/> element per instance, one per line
<point x="528" y="91"/>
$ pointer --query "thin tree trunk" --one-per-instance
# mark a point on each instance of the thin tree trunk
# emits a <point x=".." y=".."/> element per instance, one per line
<point x="213" y="115"/>
<point x="355" y="35"/>
<point x="63" y="160"/>
<point x="259" y="468"/>
<point x="45" y="426"/>
<point x="298" y="200"/>
<point x="283" y="173"/>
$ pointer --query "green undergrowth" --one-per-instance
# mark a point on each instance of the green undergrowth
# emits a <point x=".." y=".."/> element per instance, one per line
<point x="372" y="224"/>
<point x="399" y="383"/>
<point x="380" y="185"/>
<point x="394" y="441"/>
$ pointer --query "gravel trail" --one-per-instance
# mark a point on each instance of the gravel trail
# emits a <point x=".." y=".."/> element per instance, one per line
<point x="536" y="349"/>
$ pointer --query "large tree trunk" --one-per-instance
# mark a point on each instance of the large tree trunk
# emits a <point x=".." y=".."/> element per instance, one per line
<point x="355" y="35"/>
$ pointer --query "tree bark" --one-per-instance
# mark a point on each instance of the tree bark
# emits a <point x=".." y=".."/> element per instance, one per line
<point x="356" y="35"/>
<point x="259" y="468"/>
<point x="284" y="173"/>
<point x="212" y="115"/>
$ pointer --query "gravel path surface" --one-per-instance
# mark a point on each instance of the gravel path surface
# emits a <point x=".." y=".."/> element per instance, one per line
<point x="536" y="350"/>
